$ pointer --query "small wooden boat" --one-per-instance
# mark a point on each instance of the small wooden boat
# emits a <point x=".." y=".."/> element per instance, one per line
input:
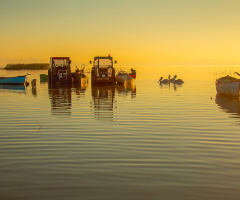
<point x="43" y="77"/>
<point x="228" y="85"/>
<point x="17" y="80"/>
<point x="124" y="78"/>
<point x="79" y="76"/>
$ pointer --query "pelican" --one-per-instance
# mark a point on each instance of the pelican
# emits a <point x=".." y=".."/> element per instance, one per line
<point x="172" y="79"/>
<point x="160" y="80"/>
<point x="165" y="81"/>
<point x="177" y="81"/>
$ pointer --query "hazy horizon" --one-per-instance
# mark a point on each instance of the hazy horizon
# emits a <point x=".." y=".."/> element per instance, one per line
<point x="133" y="32"/>
<point x="5" y="61"/>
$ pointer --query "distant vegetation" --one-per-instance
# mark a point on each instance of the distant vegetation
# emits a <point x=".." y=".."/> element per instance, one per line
<point x="33" y="66"/>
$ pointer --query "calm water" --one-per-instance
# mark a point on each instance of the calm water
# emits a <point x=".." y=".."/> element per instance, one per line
<point x="146" y="141"/>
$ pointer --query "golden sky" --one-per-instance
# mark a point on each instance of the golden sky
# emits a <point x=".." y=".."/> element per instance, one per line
<point x="132" y="31"/>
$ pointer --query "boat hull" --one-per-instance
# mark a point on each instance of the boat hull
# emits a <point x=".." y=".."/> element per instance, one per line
<point x="230" y="88"/>
<point x="43" y="77"/>
<point x="124" y="79"/>
<point x="18" y="80"/>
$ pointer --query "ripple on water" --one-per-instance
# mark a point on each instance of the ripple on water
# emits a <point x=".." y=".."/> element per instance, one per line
<point x="144" y="142"/>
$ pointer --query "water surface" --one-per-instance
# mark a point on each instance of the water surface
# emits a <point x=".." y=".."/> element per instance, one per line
<point x="145" y="141"/>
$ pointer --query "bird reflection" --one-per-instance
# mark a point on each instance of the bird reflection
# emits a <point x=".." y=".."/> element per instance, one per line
<point x="170" y="80"/>
<point x="175" y="87"/>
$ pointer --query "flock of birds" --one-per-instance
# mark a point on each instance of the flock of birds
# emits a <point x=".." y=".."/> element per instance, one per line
<point x="161" y="80"/>
<point x="170" y="80"/>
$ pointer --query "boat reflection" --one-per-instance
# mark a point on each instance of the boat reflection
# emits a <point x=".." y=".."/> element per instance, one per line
<point x="126" y="90"/>
<point x="80" y="88"/>
<point x="103" y="102"/>
<point x="13" y="88"/>
<point x="229" y="105"/>
<point x="34" y="91"/>
<point x="34" y="87"/>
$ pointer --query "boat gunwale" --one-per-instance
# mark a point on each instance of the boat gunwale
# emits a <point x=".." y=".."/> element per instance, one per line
<point x="12" y="77"/>
<point x="232" y="81"/>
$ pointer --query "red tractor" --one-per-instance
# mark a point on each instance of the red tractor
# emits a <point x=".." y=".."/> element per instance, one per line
<point x="60" y="70"/>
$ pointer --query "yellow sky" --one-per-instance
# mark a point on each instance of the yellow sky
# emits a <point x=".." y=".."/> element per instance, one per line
<point x="132" y="31"/>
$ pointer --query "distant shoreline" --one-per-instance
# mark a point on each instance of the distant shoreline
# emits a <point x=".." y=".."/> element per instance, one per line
<point x="31" y="66"/>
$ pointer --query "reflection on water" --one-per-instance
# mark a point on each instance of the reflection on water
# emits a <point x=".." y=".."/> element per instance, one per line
<point x="13" y="88"/>
<point x="158" y="144"/>
<point x="229" y="105"/>
<point x="103" y="98"/>
<point x="103" y="101"/>
<point x="80" y="88"/>
<point x="177" y="86"/>
<point x="127" y="89"/>
<point x="170" y="86"/>
<point x="34" y="90"/>
<point x="61" y="99"/>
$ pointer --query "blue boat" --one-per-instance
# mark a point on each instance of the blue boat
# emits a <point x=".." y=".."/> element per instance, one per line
<point x="17" y="80"/>
<point x="12" y="87"/>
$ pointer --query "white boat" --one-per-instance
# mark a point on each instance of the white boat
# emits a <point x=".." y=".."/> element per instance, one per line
<point x="124" y="78"/>
<point x="228" y="85"/>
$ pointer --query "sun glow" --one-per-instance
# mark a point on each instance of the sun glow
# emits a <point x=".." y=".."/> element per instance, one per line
<point x="139" y="32"/>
